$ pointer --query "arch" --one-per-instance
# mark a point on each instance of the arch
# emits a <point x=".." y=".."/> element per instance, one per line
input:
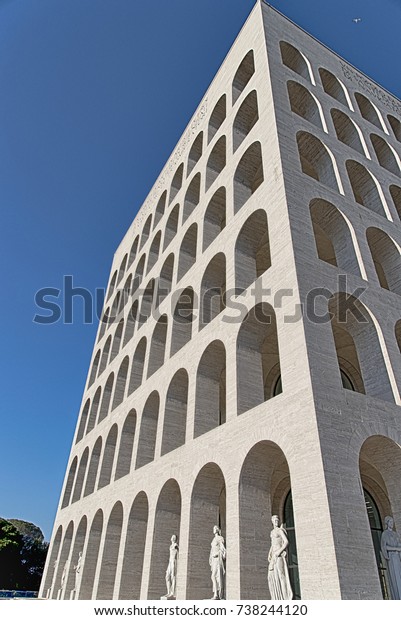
<point x="386" y="258"/>
<point x="165" y="279"/>
<point x="127" y="291"/>
<point x="258" y="358"/>
<point x="175" y="413"/>
<point x="364" y="187"/>
<point x="395" y="126"/>
<point x="52" y="563"/>
<point x="115" y="349"/>
<point x="160" y="208"/>
<point x="93" y="468"/>
<point x="147" y="303"/>
<point x="348" y="132"/>
<point x="296" y="61"/>
<point x="154" y="251"/>
<point x="216" y="161"/>
<point x="243" y="74"/>
<point x="334" y="243"/>
<point x="176" y="183"/>
<point x="111" y="548"/>
<point x="210" y="398"/>
<point x="131" y="322"/>
<point x="146" y="231"/>
<point x="137" y="367"/>
<point x="252" y="250"/>
<point x="108" y="457"/>
<point x="369" y="111"/>
<point x="171" y="226"/>
<point x="124" y="459"/>
<point x="79" y="482"/>
<point x="119" y="390"/>
<point x="138" y="273"/>
<point x="104" y="322"/>
<point x="333" y="87"/>
<point x="192" y="195"/>
<point x="83" y="420"/>
<point x="316" y="160"/>
<point x="91" y="557"/>
<point x="187" y="255"/>
<point x="167" y="523"/>
<point x="121" y="270"/>
<point x="208" y="508"/>
<point x="217" y="117"/>
<point x="105" y="355"/>
<point x="359" y="352"/>
<point x="115" y="309"/>
<point x="70" y="482"/>
<point x="385" y="154"/>
<point x="305" y="104"/>
<point x="264" y="483"/>
<point x="395" y="192"/>
<point x="104" y="407"/>
<point x="182" y="320"/>
<point x="195" y="153"/>
<point x="213" y="290"/>
<point x="158" y="346"/>
<point x="58" y="591"/>
<point x="246" y="117"/>
<point x="215" y="217"/>
<point x="148" y="430"/>
<point x="93" y="411"/>
<point x="133" y="251"/>
<point x="132" y="568"/>
<point x="112" y="285"/>
<point x="94" y="369"/>
<point x="79" y="543"/>
<point x="397" y="331"/>
<point x="248" y="175"/>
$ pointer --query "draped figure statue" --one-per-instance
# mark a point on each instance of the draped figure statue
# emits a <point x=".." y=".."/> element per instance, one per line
<point x="277" y="574"/>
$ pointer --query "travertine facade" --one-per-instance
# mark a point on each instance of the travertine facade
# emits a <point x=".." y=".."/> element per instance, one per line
<point x="219" y="392"/>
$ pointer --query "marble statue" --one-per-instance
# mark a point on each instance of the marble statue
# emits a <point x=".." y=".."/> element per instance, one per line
<point x="277" y="574"/>
<point x="171" y="572"/>
<point x="391" y="552"/>
<point x="217" y="560"/>
<point x="77" y="569"/>
<point x="63" y="576"/>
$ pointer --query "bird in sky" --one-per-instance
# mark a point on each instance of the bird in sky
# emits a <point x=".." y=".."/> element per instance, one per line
<point x="356" y="20"/>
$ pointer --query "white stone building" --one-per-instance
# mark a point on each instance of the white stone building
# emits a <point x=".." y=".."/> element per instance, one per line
<point x="219" y="391"/>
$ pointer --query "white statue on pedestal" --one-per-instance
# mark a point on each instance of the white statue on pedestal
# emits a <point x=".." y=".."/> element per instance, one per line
<point x="216" y="560"/>
<point x="391" y="552"/>
<point x="171" y="572"/>
<point x="277" y="574"/>
<point x="77" y="569"/>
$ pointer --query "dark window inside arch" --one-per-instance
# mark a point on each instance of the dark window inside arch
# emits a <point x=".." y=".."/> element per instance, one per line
<point x="376" y="530"/>
<point x="346" y="381"/>
<point x="292" y="555"/>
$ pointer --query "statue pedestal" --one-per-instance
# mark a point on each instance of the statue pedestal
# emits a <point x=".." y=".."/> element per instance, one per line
<point x="167" y="597"/>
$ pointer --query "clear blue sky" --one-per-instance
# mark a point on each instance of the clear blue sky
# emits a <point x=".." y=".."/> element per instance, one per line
<point x="94" y="94"/>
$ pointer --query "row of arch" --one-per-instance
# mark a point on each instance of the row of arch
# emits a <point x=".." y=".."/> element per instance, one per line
<point x="299" y="63"/>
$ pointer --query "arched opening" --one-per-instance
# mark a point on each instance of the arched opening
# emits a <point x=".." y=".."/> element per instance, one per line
<point x="395" y="192"/>
<point x="112" y="285"/>
<point x="146" y="231"/>
<point x="213" y="290"/>
<point x="104" y="407"/>
<point x="115" y="349"/>
<point x="158" y="346"/>
<point x="121" y="271"/>
<point x="208" y="508"/>
<point x="263" y="488"/>
<point x="364" y="187"/>
<point x="243" y="74"/>
<point x="93" y="468"/>
<point x="258" y="358"/>
<point x="397" y="331"/>
<point x="79" y="482"/>
<point x="58" y="590"/>
<point x="127" y="291"/>
<point x="139" y="273"/>
<point x="315" y="160"/>
<point x="216" y="161"/>
<point x="215" y="217"/>
<point x="83" y="420"/>
<point x="147" y="303"/>
<point x="94" y="370"/>
<point x="160" y="207"/>
<point x="304" y="104"/>
<point x="195" y="153"/>
<point x="246" y="117"/>
<point x="148" y="431"/>
<point x="70" y="483"/>
<point x="131" y="574"/>
<point x="395" y="126"/>
<point x="347" y="131"/>
<point x="333" y="87"/>
<point x="295" y="60"/>
<point x="386" y="258"/>
<point x="386" y="156"/>
<point x="171" y="226"/>
<point x="108" y="457"/>
<point x="104" y="323"/>
<point x="191" y="199"/>
<point x="137" y="367"/>
<point x="165" y="279"/>
<point x="252" y="250"/>
<point x="167" y="523"/>
<point x="72" y="586"/>
<point x="175" y="413"/>
<point x="105" y="355"/>
<point x="131" y="322"/>
<point x="248" y="175"/>
<point x="210" y="398"/>
<point x="47" y="588"/>
<point x="111" y="548"/>
<point x="91" y="557"/>
<point x="176" y="183"/>
<point x="94" y="410"/>
<point x="115" y="309"/>
<point x="368" y="111"/>
<point x="333" y="237"/>
<point x="154" y="251"/>
<point x="123" y="467"/>
<point x="217" y="117"/>
<point x="182" y="320"/>
<point x="187" y="256"/>
<point x="119" y="391"/>
<point x="133" y="251"/>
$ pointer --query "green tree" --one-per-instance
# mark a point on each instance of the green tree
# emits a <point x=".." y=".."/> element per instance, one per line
<point x="10" y="560"/>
